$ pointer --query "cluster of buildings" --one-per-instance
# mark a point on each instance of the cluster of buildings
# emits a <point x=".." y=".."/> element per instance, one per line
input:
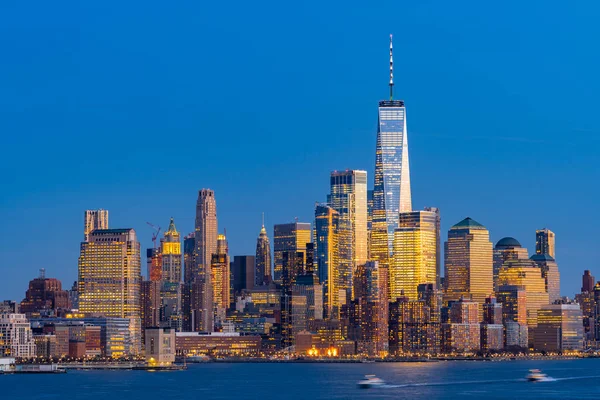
<point x="363" y="278"/>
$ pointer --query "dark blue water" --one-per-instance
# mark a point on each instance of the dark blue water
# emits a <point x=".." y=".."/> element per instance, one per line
<point x="575" y="379"/>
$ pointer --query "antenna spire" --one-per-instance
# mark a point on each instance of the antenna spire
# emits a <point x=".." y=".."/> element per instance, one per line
<point x="263" y="219"/>
<point x="391" y="71"/>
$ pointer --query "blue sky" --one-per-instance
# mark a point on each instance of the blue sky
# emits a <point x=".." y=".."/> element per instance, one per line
<point x="134" y="106"/>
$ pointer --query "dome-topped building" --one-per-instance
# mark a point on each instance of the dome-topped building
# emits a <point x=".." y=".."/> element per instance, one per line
<point x="508" y="242"/>
<point x="507" y="248"/>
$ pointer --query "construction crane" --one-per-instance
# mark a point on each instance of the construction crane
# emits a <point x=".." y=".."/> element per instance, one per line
<point x="154" y="235"/>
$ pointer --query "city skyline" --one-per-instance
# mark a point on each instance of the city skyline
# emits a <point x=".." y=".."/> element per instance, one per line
<point x="431" y="183"/>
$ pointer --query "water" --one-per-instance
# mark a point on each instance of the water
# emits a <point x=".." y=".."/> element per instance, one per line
<point x="573" y="379"/>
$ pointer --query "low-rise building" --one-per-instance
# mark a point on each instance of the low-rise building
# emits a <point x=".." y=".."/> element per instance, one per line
<point x="217" y="343"/>
<point x="160" y="346"/>
<point x="560" y="328"/>
<point x="16" y="338"/>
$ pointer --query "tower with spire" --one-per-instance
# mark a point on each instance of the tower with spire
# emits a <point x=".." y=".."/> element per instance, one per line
<point x="263" y="257"/>
<point x="391" y="189"/>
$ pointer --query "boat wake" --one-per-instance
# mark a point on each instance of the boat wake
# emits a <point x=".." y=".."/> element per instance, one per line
<point x="546" y="379"/>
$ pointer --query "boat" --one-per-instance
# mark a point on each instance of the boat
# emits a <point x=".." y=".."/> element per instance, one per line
<point x="370" y="381"/>
<point x="535" y="375"/>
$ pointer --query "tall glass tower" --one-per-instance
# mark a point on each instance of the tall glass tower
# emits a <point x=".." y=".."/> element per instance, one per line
<point x="391" y="191"/>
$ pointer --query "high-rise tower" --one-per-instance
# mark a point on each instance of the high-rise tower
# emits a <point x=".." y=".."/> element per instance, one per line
<point x="545" y="242"/>
<point x="94" y="219"/>
<point x="206" y="246"/>
<point x="291" y="238"/>
<point x="468" y="262"/>
<point x="391" y="191"/>
<point x="263" y="257"/>
<point x="220" y="279"/>
<point x="170" y="250"/>
<point x="110" y="276"/>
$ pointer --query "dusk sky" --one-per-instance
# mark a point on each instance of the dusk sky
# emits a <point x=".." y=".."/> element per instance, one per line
<point x="135" y="106"/>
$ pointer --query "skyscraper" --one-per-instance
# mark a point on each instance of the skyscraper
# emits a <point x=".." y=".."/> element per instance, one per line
<point x="544" y="242"/>
<point x="262" y="274"/>
<point x="587" y="282"/>
<point x="416" y="254"/>
<point x="391" y="190"/>
<point x="326" y="239"/>
<point x="507" y="248"/>
<point x="290" y="237"/>
<point x="550" y="273"/>
<point x="348" y="197"/>
<point x="110" y="277"/>
<point x="94" y="219"/>
<point x="170" y="250"/>
<point x="468" y="262"/>
<point x="221" y="283"/>
<point x="527" y="274"/>
<point x="370" y="294"/>
<point x="243" y="270"/>
<point x="206" y="246"/>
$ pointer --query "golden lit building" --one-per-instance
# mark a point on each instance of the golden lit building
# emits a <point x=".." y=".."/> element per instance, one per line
<point x="528" y="275"/>
<point x="94" y="219"/>
<point x="327" y="255"/>
<point x="291" y="238"/>
<point x="560" y="328"/>
<point x="415" y="259"/>
<point x="468" y="262"/>
<point x="170" y="255"/>
<point x="206" y="245"/>
<point x="349" y="198"/>
<point x="109" y="278"/>
<point x="550" y="273"/>
<point x="221" y="279"/>
<point x="217" y="343"/>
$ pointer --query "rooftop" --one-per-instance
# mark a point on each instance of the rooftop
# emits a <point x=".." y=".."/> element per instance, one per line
<point x="468" y="223"/>
<point x="508" y="242"/>
<point x="541" y="257"/>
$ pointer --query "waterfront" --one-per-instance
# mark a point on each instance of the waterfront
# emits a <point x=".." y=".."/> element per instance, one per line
<point x="574" y="379"/>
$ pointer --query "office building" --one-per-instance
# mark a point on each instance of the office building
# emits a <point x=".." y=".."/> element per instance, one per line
<point x="526" y="274"/>
<point x="507" y="248"/>
<point x="550" y="273"/>
<point x="348" y="197"/>
<point x="326" y="239"/>
<point x="189" y="266"/>
<point x="243" y="270"/>
<point x="109" y="277"/>
<point x="94" y="219"/>
<point x="170" y="250"/>
<point x="391" y="190"/>
<point x="217" y="344"/>
<point x="468" y="262"/>
<point x="9" y="307"/>
<point x="221" y="283"/>
<point x="545" y="242"/>
<point x="492" y="329"/>
<point x="262" y="274"/>
<point x="16" y="338"/>
<point x="206" y="246"/>
<point x="289" y="238"/>
<point x="559" y="328"/>
<point x="411" y="328"/>
<point x="416" y="253"/>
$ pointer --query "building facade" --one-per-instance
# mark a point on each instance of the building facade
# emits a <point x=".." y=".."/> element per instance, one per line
<point x="262" y="274"/>
<point x="94" y="219"/>
<point x="391" y="190"/>
<point x="327" y="255"/>
<point x="16" y="338"/>
<point x="206" y="246"/>
<point x="290" y="237"/>
<point x="549" y="269"/>
<point x="416" y="254"/>
<point x="468" y="262"/>
<point x="110" y="277"/>
<point x="545" y="242"/>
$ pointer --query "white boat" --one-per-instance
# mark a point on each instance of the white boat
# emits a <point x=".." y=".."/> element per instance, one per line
<point x="535" y="375"/>
<point x="370" y="381"/>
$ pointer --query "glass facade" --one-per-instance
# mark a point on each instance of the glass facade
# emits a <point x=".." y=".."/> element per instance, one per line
<point x="416" y="259"/>
<point x="468" y="262"/>
<point x="110" y="277"/>
<point x="327" y="250"/>
<point x="291" y="237"/>
<point x="391" y="190"/>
